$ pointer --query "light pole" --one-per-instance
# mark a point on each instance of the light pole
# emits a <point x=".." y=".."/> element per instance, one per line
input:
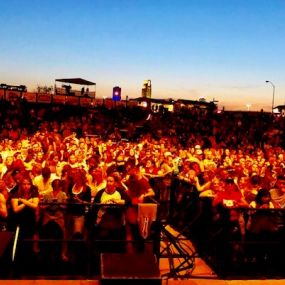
<point x="273" y="86"/>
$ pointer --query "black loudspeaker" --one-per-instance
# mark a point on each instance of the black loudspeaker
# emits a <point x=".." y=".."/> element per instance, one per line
<point x="126" y="268"/>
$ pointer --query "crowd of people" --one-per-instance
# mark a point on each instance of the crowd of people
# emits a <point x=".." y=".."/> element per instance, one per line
<point x="51" y="155"/>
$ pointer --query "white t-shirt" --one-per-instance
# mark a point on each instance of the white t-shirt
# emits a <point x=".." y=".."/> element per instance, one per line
<point x="110" y="198"/>
<point x="107" y="199"/>
<point x="44" y="187"/>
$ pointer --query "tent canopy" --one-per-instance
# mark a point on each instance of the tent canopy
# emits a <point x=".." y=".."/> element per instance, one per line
<point x="79" y="81"/>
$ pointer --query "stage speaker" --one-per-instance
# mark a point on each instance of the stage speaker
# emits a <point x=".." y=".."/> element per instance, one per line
<point x="127" y="268"/>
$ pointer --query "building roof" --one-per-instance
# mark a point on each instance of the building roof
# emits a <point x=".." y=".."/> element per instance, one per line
<point x="153" y="100"/>
<point x="79" y="81"/>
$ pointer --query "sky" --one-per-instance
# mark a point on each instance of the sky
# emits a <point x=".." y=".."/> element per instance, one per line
<point x="189" y="49"/>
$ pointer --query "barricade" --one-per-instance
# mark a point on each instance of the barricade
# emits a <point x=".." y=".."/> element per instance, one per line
<point x="57" y="255"/>
<point x="255" y="251"/>
<point x="216" y="236"/>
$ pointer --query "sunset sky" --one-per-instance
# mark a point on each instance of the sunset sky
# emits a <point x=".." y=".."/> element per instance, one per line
<point x="222" y="49"/>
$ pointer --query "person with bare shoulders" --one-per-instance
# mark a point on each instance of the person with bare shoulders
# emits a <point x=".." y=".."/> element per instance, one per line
<point x="3" y="207"/>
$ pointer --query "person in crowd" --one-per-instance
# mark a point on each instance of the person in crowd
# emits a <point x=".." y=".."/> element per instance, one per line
<point x="81" y="160"/>
<point x="166" y="167"/>
<point x="261" y="221"/>
<point x="108" y="221"/>
<point x="262" y="225"/>
<point x="255" y="184"/>
<point x="138" y="186"/>
<point x="262" y="200"/>
<point x="79" y="195"/>
<point x="12" y="180"/>
<point x="278" y="192"/>
<point x="96" y="180"/>
<point x="72" y="160"/>
<point x="8" y="165"/>
<point x="149" y="169"/>
<point x="227" y="198"/>
<point x="53" y="163"/>
<point x="229" y="195"/>
<point x="53" y="215"/>
<point x="25" y="207"/>
<point x="29" y="161"/>
<point x="3" y="207"/>
<point x="278" y="199"/>
<point x="139" y="190"/>
<point x="4" y="189"/>
<point x="43" y="182"/>
<point x="111" y="194"/>
<point x="39" y="158"/>
<point x="120" y="181"/>
<point x="66" y="177"/>
<point x="36" y="148"/>
<point x="131" y="159"/>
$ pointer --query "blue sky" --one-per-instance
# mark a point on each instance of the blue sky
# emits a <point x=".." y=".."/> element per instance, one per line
<point x="222" y="49"/>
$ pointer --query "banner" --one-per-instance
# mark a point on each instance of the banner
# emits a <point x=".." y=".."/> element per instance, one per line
<point x="60" y="91"/>
<point x="58" y="99"/>
<point x="92" y="94"/>
<point x="2" y="92"/>
<point x="86" y="102"/>
<point x="12" y="95"/>
<point x="72" y="100"/>
<point x="108" y="103"/>
<point x="31" y="97"/>
<point x="44" y="98"/>
<point x="99" y="102"/>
